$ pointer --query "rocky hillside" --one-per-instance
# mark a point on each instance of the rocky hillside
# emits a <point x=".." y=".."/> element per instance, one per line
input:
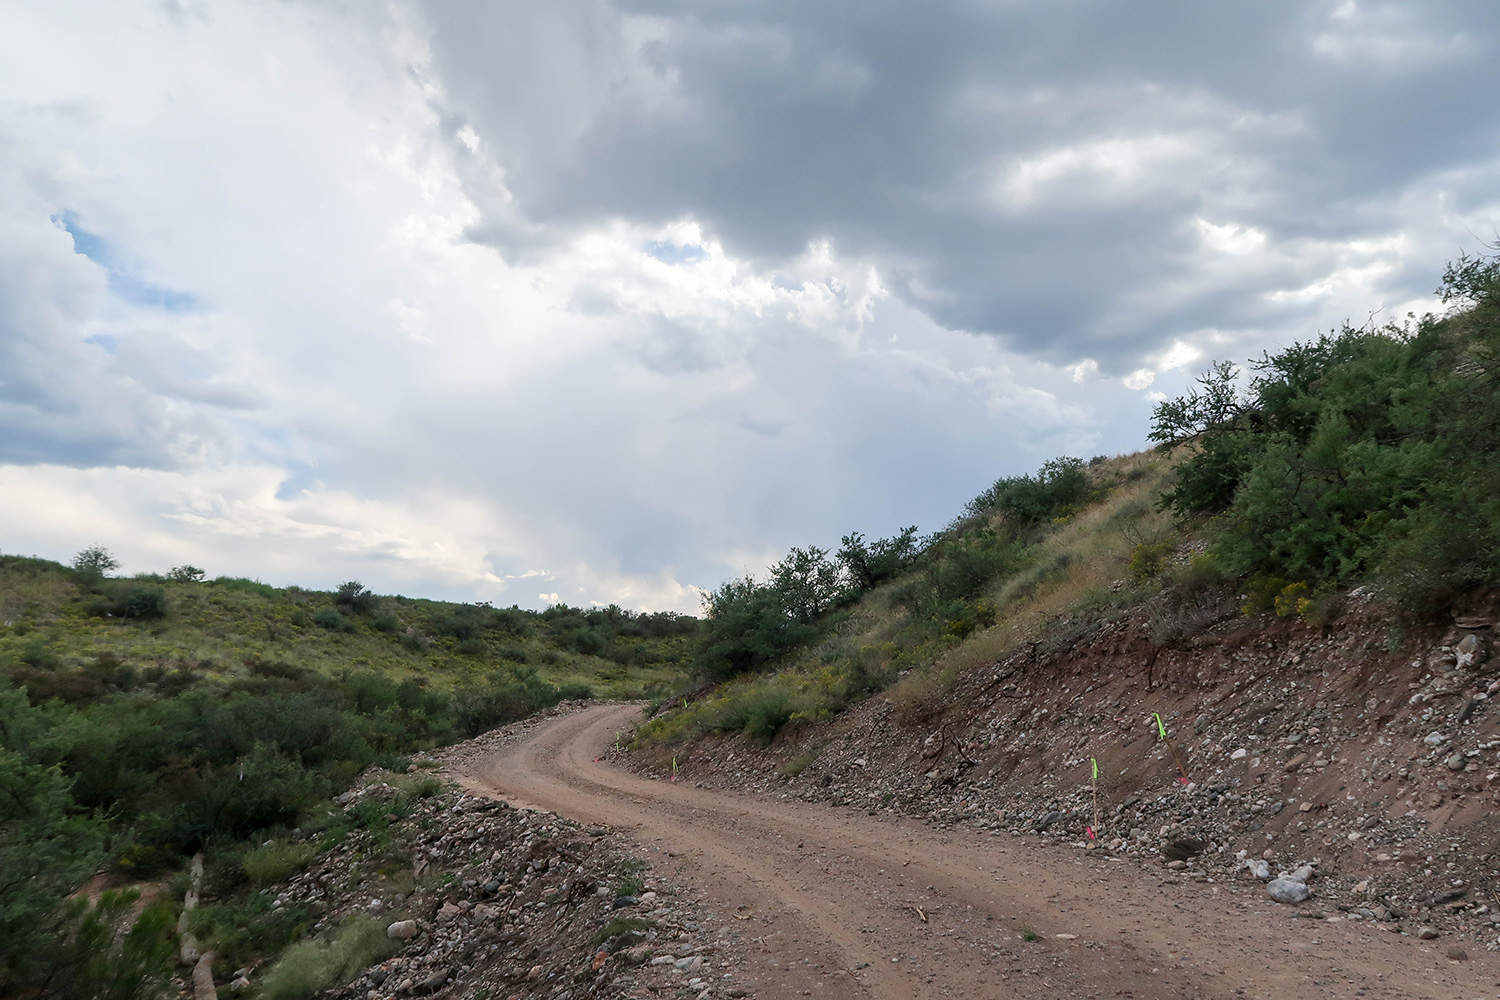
<point x="462" y="896"/>
<point x="1369" y="755"/>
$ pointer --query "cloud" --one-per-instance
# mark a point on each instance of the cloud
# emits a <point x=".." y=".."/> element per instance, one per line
<point x="436" y="295"/>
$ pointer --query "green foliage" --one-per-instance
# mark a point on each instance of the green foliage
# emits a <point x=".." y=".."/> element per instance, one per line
<point x="310" y="967"/>
<point x="1365" y="455"/>
<point x="276" y="861"/>
<point x="330" y="619"/>
<point x="867" y="566"/>
<point x="95" y="561"/>
<point x="243" y="585"/>
<point x="1059" y="488"/>
<point x="746" y="629"/>
<point x="130" y="600"/>
<point x="97" y="953"/>
<point x="354" y="597"/>
<point x="630" y="876"/>
<point x="242" y="933"/>
<point x="186" y="574"/>
<point x="48" y="847"/>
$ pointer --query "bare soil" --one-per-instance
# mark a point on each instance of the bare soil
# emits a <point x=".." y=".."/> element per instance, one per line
<point x="836" y="902"/>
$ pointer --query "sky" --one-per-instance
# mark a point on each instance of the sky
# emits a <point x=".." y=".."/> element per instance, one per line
<point x="609" y="301"/>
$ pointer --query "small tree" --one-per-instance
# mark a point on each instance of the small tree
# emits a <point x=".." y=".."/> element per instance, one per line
<point x="186" y="573"/>
<point x="355" y="597"/>
<point x="95" y="561"/>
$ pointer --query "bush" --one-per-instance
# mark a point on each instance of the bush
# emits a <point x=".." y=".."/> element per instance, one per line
<point x="310" y="967"/>
<point x="95" y="561"/>
<point x="247" y="586"/>
<point x="1364" y="455"/>
<point x="186" y="574"/>
<point x="276" y="861"/>
<point x="1059" y="488"/>
<point x="130" y="601"/>
<point x="97" y="952"/>
<point x="353" y="597"/>
<point x="333" y="621"/>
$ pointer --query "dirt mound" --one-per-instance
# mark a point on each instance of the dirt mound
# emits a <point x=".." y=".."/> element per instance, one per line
<point x="1368" y="755"/>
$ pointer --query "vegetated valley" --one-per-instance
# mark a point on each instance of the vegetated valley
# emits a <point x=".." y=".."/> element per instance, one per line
<point x="1271" y="634"/>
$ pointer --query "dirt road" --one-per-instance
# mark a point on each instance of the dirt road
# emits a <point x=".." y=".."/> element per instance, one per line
<point x="838" y="904"/>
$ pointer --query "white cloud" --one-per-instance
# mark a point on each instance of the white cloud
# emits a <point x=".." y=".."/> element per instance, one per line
<point x="435" y="296"/>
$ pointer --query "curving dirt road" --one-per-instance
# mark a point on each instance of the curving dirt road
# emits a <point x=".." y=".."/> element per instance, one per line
<point x="839" y="904"/>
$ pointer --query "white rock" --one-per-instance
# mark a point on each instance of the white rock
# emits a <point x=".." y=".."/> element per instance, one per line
<point x="1435" y="739"/>
<point x="1286" y="890"/>
<point x="1259" y="869"/>
<point x="1239" y="754"/>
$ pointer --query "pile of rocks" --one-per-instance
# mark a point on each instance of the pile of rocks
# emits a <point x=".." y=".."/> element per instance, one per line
<point x="483" y="899"/>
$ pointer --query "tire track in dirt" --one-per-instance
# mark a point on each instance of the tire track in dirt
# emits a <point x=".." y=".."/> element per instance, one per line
<point x="845" y="905"/>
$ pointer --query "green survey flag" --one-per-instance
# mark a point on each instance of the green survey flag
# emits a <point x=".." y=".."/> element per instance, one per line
<point x="1160" y="726"/>
<point x="1096" y="767"/>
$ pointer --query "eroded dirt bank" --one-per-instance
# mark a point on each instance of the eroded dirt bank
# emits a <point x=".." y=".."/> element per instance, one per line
<point x="837" y="902"/>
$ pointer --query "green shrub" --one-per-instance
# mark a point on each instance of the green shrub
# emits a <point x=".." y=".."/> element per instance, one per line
<point x="1367" y="455"/>
<point x="97" y="952"/>
<point x="630" y="876"/>
<point x="310" y="967"/>
<point x="130" y="600"/>
<point x="1059" y="488"/>
<point x="330" y="619"/>
<point x="247" y="586"/>
<point x="276" y="861"/>
<point x="240" y="935"/>
<point x="186" y="574"/>
<point x="353" y="597"/>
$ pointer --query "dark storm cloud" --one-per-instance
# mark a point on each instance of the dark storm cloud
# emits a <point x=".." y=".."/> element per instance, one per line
<point x="1035" y="170"/>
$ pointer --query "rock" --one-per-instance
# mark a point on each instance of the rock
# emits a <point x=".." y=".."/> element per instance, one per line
<point x="1296" y="762"/>
<point x="1449" y="897"/>
<point x="1434" y="739"/>
<point x="433" y="981"/>
<point x="239" y="984"/>
<point x="623" y="901"/>
<point x="1259" y="869"/>
<point x="1289" y="891"/>
<point x="1182" y="848"/>
<point x="402" y="930"/>
<point x="1469" y="651"/>
<point x="1455" y="762"/>
<point x="1239" y="754"/>
<point x="447" y="913"/>
<point x="1427" y="933"/>
<point x="635" y="955"/>
<point x="1456" y="953"/>
<point x="599" y="959"/>
<point x="1176" y="866"/>
<point x="692" y="964"/>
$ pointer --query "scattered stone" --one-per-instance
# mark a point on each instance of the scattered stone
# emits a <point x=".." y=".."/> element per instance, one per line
<point x="1456" y="762"/>
<point x="1288" y="890"/>
<point x="402" y="930"/>
<point x="1296" y="762"/>
<point x="1456" y="953"/>
<point x="1427" y="933"/>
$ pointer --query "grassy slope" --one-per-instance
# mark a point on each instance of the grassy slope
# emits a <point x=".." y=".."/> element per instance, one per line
<point x="1073" y="574"/>
<point x="215" y="629"/>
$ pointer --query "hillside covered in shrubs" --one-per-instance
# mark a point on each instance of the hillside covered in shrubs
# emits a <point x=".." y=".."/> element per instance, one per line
<point x="1365" y="457"/>
<point x="145" y="719"/>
